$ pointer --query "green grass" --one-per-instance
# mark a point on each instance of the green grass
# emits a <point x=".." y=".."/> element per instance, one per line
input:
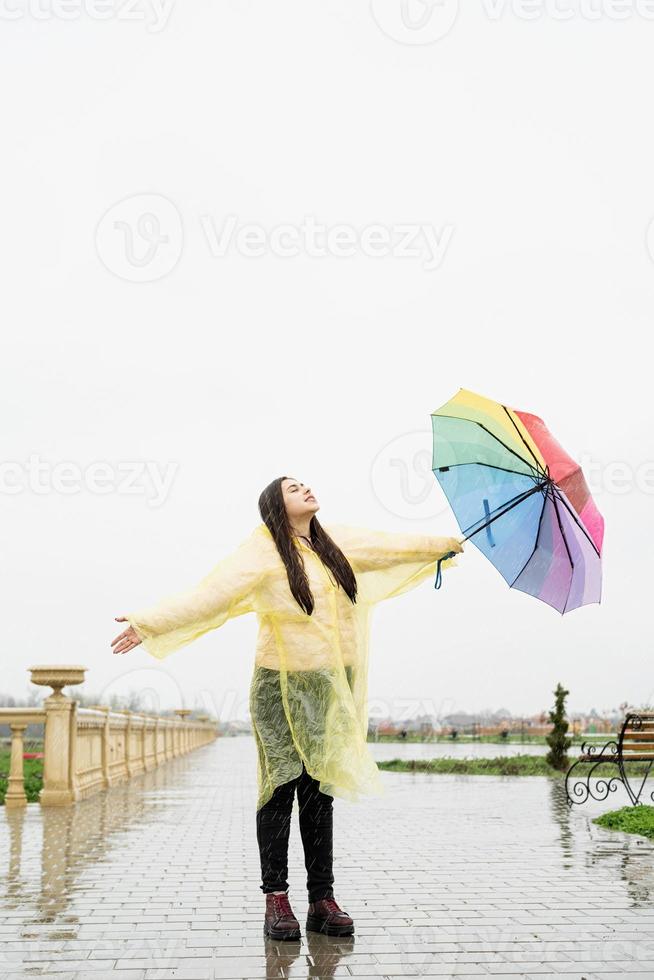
<point x="33" y="771"/>
<point x="513" y="739"/>
<point x="517" y="765"/>
<point x="630" y="820"/>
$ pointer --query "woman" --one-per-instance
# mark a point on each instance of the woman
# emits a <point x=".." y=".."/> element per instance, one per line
<point x="313" y="589"/>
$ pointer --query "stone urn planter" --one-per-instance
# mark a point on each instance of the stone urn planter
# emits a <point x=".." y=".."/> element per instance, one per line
<point x="57" y="677"/>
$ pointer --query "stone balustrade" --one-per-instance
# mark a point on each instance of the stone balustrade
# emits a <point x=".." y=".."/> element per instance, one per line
<point x="86" y="750"/>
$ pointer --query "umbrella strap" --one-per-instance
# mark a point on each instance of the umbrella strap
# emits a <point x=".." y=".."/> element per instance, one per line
<point x="439" y="575"/>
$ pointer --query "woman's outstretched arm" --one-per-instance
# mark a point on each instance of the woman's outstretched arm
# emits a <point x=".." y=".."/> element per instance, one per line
<point x="388" y="563"/>
<point x="178" y="619"/>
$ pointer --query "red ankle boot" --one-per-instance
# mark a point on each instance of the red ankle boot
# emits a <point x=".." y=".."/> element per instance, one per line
<point x="325" y="916"/>
<point x="280" y="923"/>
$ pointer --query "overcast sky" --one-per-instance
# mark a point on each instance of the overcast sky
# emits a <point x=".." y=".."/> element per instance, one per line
<point x="247" y="239"/>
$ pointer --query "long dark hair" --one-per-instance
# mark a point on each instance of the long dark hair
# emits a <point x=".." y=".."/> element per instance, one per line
<point x="273" y="514"/>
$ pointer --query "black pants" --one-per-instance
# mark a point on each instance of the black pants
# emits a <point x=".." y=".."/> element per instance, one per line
<point x="273" y="828"/>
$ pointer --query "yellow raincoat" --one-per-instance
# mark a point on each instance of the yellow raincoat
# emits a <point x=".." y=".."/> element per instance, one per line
<point x="308" y="695"/>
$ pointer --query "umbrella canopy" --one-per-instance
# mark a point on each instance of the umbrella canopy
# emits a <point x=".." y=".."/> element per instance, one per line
<point x="520" y="498"/>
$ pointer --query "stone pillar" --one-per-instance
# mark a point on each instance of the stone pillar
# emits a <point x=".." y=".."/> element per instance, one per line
<point x="59" y="752"/>
<point x="15" y="796"/>
<point x="57" y="770"/>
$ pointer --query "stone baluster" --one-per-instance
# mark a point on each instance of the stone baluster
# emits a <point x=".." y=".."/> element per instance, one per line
<point x="183" y="713"/>
<point x="106" y="778"/>
<point x="127" y="735"/>
<point x="15" y="796"/>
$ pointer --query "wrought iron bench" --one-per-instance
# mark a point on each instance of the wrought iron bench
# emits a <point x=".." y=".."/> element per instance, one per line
<point x="635" y="743"/>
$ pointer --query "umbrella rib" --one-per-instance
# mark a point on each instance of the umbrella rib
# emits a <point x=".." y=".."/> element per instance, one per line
<point x="565" y="542"/>
<point x="511" y="504"/>
<point x="506" y="470"/>
<point x="539" y="472"/>
<point x="539" y="467"/>
<point x="534" y="549"/>
<point x="476" y="462"/>
<point x="574" y="517"/>
<point x="460" y="418"/>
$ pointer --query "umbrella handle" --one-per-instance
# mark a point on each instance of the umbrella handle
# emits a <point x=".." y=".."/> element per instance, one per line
<point x="439" y="577"/>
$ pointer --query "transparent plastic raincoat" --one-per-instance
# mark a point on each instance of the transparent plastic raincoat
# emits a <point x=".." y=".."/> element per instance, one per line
<point x="308" y="695"/>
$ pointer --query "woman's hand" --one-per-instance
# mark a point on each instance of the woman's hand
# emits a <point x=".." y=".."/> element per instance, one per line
<point x="455" y="545"/>
<point x="126" y="640"/>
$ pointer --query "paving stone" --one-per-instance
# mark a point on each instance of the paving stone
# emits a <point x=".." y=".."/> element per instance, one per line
<point x="445" y="876"/>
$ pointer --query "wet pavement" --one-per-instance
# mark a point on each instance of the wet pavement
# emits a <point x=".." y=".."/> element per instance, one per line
<point x="444" y="876"/>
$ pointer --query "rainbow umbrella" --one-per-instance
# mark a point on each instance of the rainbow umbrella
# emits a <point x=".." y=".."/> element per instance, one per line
<point x="520" y="498"/>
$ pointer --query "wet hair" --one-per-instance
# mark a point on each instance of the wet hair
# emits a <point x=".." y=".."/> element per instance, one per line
<point x="273" y="513"/>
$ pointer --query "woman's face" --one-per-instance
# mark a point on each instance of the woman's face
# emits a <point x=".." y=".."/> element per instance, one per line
<point x="298" y="499"/>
